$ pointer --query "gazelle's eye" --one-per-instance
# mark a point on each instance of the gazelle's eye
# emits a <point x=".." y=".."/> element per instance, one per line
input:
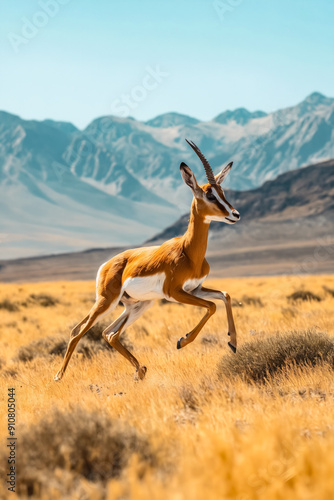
<point x="210" y="196"/>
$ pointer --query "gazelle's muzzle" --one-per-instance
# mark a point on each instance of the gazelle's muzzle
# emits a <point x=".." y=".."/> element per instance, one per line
<point x="233" y="218"/>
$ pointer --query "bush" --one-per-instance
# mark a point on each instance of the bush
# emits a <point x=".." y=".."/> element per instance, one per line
<point x="212" y="340"/>
<point x="262" y="358"/>
<point x="251" y="301"/>
<point x="90" y="344"/>
<point x="236" y="303"/>
<point x="189" y="398"/>
<point x="303" y="295"/>
<point x="81" y="444"/>
<point x="43" y="299"/>
<point x="9" y="306"/>
<point x="49" y="346"/>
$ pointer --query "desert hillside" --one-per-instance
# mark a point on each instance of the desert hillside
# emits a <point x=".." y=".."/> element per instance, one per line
<point x="286" y="227"/>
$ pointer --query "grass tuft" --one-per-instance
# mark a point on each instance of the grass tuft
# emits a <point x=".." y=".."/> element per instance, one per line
<point x="251" y="301"/>
<point x="304" y="295"/>
<point x="91" y="344"/>
<point x="56" y="346"/>
<point x="43" y="299"/>
<point x="9" y="306"/>
<point x="81" y="444"/>
<point x="259" y="360"/>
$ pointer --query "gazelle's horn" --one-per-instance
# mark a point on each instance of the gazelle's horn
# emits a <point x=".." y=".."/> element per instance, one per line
<point x="206" y="164"/>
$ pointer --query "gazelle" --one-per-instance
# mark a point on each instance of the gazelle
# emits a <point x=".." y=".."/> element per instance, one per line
<point x="174" y="271"/>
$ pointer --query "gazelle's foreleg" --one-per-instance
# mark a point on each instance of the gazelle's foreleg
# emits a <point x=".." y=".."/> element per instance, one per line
<point x="208" y="293"/>
<point x="111" y="334"/>
<point x="100" y="307"/>
<point x="187" y="298"/>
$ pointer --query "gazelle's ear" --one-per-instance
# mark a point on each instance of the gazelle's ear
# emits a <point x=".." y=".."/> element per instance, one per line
<point x="189" y="177"/>
<point x="221" y="176"/>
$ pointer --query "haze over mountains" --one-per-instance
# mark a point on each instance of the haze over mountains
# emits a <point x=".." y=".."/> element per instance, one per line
<point x="286" y="227"/>
<point x="117" y="182"/>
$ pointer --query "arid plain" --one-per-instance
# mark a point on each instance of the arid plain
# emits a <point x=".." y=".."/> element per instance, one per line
<point x="204" y="423"/>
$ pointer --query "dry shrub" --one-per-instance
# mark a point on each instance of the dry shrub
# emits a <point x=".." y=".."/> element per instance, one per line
<point x="10" y="372"/>
<point x="304" y="295"/>
<point x="289" y="312"/>
<point x="210" y="340"/>
<point x="252" y="301"/>
<point x="9" y="306"/>
<point x="259" y="360"/>
<point x="189" y="398"/>
<point x="54" y="346"/>
<point x="81" y="444"/>
<point x="91" y="344"/>
<point x="43" y="299"/>
<point x="236" y="303"/>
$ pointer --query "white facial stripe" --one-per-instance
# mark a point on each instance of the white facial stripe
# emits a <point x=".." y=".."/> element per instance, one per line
<point x="216" y="195"/>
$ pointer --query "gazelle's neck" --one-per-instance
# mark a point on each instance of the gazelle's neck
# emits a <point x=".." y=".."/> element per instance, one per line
<point x="196" y="236"/>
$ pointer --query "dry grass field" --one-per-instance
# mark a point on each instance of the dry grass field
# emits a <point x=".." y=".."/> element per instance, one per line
<point x="204" y="424"/>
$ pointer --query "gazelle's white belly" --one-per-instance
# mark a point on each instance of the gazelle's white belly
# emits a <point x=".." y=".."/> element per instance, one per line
<point x="145" y="287"/>
<point x="151" y="287"/>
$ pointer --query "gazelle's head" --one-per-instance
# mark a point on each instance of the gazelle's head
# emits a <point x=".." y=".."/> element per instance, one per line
<point x="210" y="199"/>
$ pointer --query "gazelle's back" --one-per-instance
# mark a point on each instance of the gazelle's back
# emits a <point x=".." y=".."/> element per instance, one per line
<point x="139" y="262"/>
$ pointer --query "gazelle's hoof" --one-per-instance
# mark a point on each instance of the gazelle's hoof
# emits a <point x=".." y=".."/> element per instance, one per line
<point x="231" y="346"/>
<point x="58" y="377"/>
<point x="178" y="345"/>
<point x="141" y="372"/>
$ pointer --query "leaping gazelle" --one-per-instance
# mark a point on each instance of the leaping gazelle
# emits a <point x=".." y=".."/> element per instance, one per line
<point x="174" y="271"/>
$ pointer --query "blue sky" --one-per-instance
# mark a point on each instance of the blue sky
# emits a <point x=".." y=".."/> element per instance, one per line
<point x="88" y="57"/>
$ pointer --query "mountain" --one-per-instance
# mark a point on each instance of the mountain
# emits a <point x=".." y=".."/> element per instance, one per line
<point x="261" y="145"/>
<point x="301" y="194"/>
<point x="171" y="120"/>
<point x="50" y="204"/>
<point x="241" y="116"/>
<point x="117" y="182"/>
<point x="286" y="227"/>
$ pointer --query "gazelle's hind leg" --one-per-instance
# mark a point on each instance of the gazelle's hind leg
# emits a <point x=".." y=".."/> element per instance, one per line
<point x="99" y="309"/>
<point x="133" y="310"/>
<point x="208" y="293"/>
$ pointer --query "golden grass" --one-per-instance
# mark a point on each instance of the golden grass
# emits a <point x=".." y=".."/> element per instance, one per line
<point x="211" y="436"/>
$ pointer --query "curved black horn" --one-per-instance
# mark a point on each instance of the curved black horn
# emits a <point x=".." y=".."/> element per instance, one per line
<point x="206" y="164"/>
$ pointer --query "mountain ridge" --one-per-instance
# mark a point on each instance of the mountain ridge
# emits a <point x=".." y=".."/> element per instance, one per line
<point x="123" y="169"/>
<point x="288" y="234"/>
<point x="300" y="193"/>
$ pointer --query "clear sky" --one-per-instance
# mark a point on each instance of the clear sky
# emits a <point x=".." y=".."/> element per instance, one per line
<point x="86" y="57"/>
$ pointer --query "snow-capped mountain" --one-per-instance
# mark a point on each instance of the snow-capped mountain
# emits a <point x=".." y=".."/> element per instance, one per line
<point x="118" y="182"/>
